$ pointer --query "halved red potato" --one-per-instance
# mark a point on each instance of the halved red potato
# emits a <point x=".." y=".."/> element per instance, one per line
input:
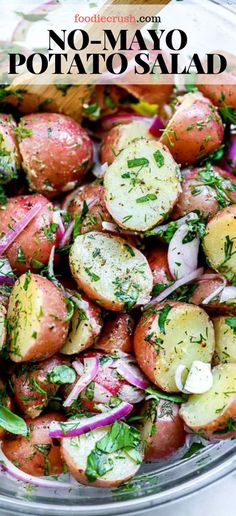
<point x="56" y="152"/>
<point x="150" y="93"/>
<point x="37" y="319"/>
<point x="86" y="325"/>
<point x="163" y="429"/>
<point x="211" y="413"/>
<point x="157" y="259"/>
<point x="219" y="243"/>
<point x="119" y="137"/>
<point x="93" y="195"/>
<point x="117" y="333"/>
<point x="171" y="334"/>
<point x="142" y="185"/>
<point x="32" y="386"/>
<point x="195" y="129"/>
<point x="3" y="325"/>
<point x="78" y="453"/>
<point x="37" y="454"/>
<point x="110" y="271"/>
<point x="225" y="337"/>
<point x="31" y="249"/>
<point x="10" y="159"/>
<point x="206" y="189"/>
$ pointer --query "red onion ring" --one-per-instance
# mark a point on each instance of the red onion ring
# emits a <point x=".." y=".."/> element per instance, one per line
<point x="57" y="219"/>
<point x="132" y="374"/>
<point x="183" y="281"/>
<point x="7" y="466"/>
<point x="67" y="234"/>
<point x="18" y="227"/>
<point x="91" y="366"/>
<point x="182" y="257"/>
<point x="214" y="294"/>
<point x="78" y="427"/>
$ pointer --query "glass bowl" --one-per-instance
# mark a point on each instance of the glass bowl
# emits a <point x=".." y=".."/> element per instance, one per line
<point x="157" y="484"/>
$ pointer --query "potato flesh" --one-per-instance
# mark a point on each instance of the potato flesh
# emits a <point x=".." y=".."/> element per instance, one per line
<point x="225" y="338"/>
<point x="130" y="132"/>
<point x="24" y="314"/>
<point x="139" y="197"/>
<point x="119" y="272"/>
<point x="3" y="332"/>
<point x="188" y="336"/>
<point x="80" y="447"/>
<point x="80" y="335"/>
<point x="220" y="243"/>
<point x="202" y="409"/>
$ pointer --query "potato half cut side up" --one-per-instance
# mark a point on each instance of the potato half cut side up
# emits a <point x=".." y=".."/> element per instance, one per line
<point x="76" y="451"/>
<point x="37" y="317"/>
<point x="220" y="242"/>
<point x="142" y="185"/>
<point x="212" y="410"/>
<point x="171" y="334"/>
<point x="110" y="271"/>
<point x="225" y="336"/>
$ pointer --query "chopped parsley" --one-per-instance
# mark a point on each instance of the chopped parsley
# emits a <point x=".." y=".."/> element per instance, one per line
<point x="146" y="198"/>
<point x="231" y="322"/>
<point x="91" y="274"/>
<point x="159" y="158"/>
<point x="162" y="319"/>
<point x="137" y="162"/>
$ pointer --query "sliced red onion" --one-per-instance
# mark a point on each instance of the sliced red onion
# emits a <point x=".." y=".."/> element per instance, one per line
<point x="7" y="280"/>
<point x="109" y="121"/>
<point x="67" y="234"/>
<point x="101" y="394"/>
<point x="179" y="283"/>
<point x="18" y="227"/>
<point x="182" y="257"/>
<point x="51" y="263"/>
<point x="7" y="466"/>
<point x="228" y="293"/>
<point x="157" y="124"/>
<point x="78" y="427"/>
<point x="113" y="228"/>
<point x="57" y="219"/>
<point x="131" y="394"/>
<point x="214" y="294"/>
<point x="91" y="366"/>
<point x="78" y="367"/>
<point x="132" y="374"/>
<point x="179" y="222"/>
<point x="6" y="272"/>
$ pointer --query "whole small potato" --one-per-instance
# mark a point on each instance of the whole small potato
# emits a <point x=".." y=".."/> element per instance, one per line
<point x="206" y="189"/>
<point x="119" y="137"/>
<point x="222" y="94"/>
<point x="32" y="386"/>
<point x="90" y="195"/>
<point x="37" y="454"/>
<point x="194" y="131"/>
<point x="37" y="319"/>
<point x="31" y="248"/>
<point x="162" y="429"/>
<point x="225" y="335"/>
<point x="117" y="333"/>
<point x="56" y="152"/>
<point x="10" y="159"/>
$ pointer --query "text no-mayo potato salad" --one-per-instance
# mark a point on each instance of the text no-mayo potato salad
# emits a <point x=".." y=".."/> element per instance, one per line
<point x="117" y="282"/>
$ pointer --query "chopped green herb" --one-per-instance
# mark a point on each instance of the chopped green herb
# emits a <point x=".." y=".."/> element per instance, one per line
<point x="61" y="375"/>
<point x="176" y="398"/>
<point x="146" y="198"/>
<point x="163" y="314"/>
<point x="91" y="274"/>
<point x="194" y="448"/>
<point x="137" y="162"/>
<point x="159" y="158"/>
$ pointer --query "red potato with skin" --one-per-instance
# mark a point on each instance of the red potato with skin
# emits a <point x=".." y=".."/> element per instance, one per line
<point x="194" y="131"/>
<point x="31" y="249"/>
<point x="163" y="429"/>
<point x="93" y="195"/>
<point x="206" y="287"/>
<point x="150" y="93"/>
<point x="56" y="152"/>
<point x="213" y="412"/>
<point x="117" y="334"/>
<point x="157" y="259"/>
<point x="37" y="454"/>
<point x="198" y="194"/>
<point x="10" y="158"/>
<point x="119" y="137"/>
<point x="172" y="334"/>
<point x="37" y="318"/>
<point x="32" y="388"/>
